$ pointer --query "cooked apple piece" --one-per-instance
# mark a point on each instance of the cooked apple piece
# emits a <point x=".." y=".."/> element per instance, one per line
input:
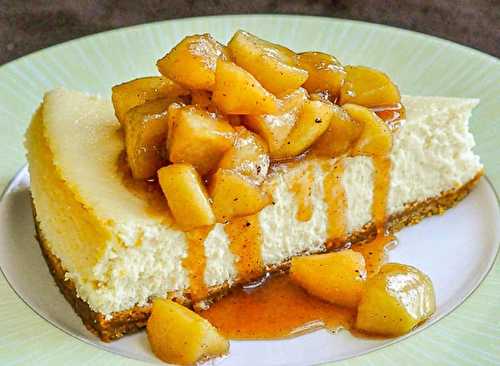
<point x="233" y="195"/>
<point x="235" y="119"/>
<point x="198" y="138"/>
<point x="247" y="157"/>
<point x="135" y="92"/>
<point x="368" y="87"/>
<point x="179" y="335"/>
<point x="295" y="99"/>
<point x="192" y="62"/>
<point x="145" y="133"/>
<point x="201" y="99"/>
<point x="336" y="277"/>
<point x="275" y="128"/>
<point x="395" y="300"/>
<point x="236" y="91"/>
<point x="325" y="72"/>
<point x="323" y="96"/>
<point x="171" y="118"/>
<point x="186" y="196"/>
<point x="376" y="138"/>
<point x="274" y="66"/>
<point x="341" y="134"/>
<point x="313" y="121"/>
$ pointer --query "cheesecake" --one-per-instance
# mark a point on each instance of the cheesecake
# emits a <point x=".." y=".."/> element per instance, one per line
<point x="232" y="164"/>
<point x="112" y="244"/>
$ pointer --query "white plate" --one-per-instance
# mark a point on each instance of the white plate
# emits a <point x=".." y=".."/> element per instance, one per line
<point x="456" y="250"/>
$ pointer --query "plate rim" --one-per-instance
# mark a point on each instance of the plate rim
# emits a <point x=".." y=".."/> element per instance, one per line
<point x="136" y="27"/>
<point x="469" y="50"/>
<point x="428" y="324"/>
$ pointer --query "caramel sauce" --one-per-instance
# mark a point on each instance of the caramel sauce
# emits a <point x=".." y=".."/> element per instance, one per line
<point x="245" y="240"/>
<point x="275" y="309"/>
<point x="391" y="114"/>
<point x="195" y="262"/>
<point x="149" y="191"/>
<point x="381" y="183"/>
<point x="374" y="251"/>
<point x="336" y="203"/>
<point x="301" y="187"/>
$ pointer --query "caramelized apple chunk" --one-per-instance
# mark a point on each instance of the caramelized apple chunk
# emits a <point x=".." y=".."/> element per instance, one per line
<point x="236" y="91"/>
<point x="198" y="138"/>
<point x="336" y="277"/>
<point x="202" y="99"/>
<point x="325" y="72"/>
<point x="233" y="195"/>
<point x="179" y="335"/>
<point x="368" y="87"/>
<point x="192" y="62"/>
<point x="247" y="157"/>
<point x="127" y="95"/>
<point x="275" y="128"/>
<point x="274" y="66"/>
<point x="341" y="134"/>
<point x="376" y="137"/>
<point x="145" y="133"/>
<point x="186" y="196"/>
<point x="313" y="121"/>
<point x="395" y="300"/>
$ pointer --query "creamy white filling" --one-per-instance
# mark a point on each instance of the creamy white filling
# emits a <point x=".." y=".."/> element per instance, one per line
<point x="432" y="154"/>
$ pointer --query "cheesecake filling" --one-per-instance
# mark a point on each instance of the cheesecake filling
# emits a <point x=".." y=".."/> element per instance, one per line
<point x="119" y="255"/>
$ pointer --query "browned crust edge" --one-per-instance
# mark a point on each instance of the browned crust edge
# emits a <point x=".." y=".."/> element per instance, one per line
<point x="134" y="319"/>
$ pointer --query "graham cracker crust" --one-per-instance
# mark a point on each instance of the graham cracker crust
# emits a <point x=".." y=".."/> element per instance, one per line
<point x="134" y="319"/>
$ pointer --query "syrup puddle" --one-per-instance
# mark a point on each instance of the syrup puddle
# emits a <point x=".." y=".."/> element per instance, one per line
<point x="274" y="308"/>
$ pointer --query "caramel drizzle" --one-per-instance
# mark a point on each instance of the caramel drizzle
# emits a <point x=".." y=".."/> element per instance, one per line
<point x="301" y="187"/>
<point x="245" y="239"/>
<point x="195" y="262"/>
<point x="381" y="183"/>
<point x="374" y="251"/>
<point x="336" y="202"/>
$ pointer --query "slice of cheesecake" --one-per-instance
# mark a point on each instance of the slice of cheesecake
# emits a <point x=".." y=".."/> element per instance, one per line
<point x="112" y="246"/>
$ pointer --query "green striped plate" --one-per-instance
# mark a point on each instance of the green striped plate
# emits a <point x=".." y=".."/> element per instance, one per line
<point x="420" y="64"/>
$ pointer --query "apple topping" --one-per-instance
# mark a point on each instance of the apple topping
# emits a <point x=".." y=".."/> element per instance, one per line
<point x="229" y="111"/>
<point x="236" y="91"/>
<point x="337" y="277"/>
<point x="314" y="119"/>
<point x="132" y="93"/>
<point x="192" y="62"/>
<point x="340" y="136"/>
<point x="325" y="73"/>
<point x="145" y="131"/>
<point x="376" y="137"/>
<point x="179" y="335"/>
<point x="234" y="195"/>
<point x="198" y="138"/>
<point x="368" y="87"/>
<point x="248" y="156"/>
<point x="274" y="66"/>
<point x="395" y="300"/>
<point x="274" y="128"/>
<point x="186" y="196"/>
